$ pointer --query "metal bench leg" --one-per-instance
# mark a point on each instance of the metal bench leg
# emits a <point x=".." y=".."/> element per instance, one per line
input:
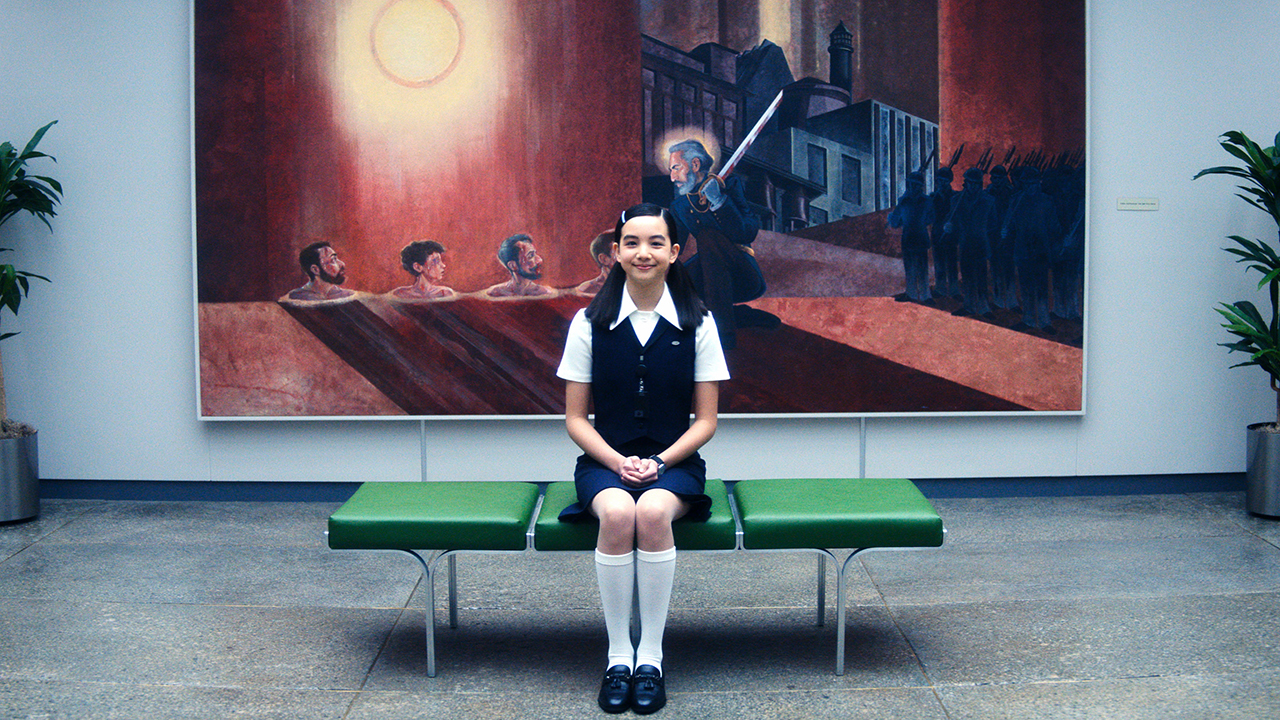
<point x="822" y="590"/>
<point x="431" y="609"/>
<point x="431" y="603"/>
<point x="453" y="591"/>
<point x="841" y="603"/>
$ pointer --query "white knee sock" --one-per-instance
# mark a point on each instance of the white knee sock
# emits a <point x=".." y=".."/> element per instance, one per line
<point x="655" y="573"/>
<point x="616" y="576"/>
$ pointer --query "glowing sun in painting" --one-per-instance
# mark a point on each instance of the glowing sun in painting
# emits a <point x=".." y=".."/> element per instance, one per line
<point x="416" y="43"/>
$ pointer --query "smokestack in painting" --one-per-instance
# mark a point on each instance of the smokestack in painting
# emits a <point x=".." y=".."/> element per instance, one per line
<point x="841" y="51"/>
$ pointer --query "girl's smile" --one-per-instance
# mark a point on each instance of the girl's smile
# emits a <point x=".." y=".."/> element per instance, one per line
<point x="644" y="250"/>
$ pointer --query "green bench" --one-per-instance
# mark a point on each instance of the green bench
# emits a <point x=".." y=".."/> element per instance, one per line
<point x="780" y="515"/>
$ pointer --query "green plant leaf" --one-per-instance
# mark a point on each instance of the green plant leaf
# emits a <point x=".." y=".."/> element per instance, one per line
<point x="1260" y="172"/>
<point x="1244" y="320"/>
<point x="35" y="139"/>
<point x="1239" y="152"/>
<point x="57" y="186"/>
<point x="1223" y="170"/>
<point x="20" y="192"/>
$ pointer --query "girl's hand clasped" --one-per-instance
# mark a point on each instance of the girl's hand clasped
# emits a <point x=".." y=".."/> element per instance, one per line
<point x="637" y="471"/>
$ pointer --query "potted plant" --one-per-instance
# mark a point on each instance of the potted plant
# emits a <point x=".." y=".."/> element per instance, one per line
<point x="1258" y="335"/>
<point x="36" y="194"/>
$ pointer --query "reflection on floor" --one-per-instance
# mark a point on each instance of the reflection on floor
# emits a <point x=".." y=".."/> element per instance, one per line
<point x="1141" y="607"/>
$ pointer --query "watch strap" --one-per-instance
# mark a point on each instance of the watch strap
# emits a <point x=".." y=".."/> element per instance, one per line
<point x="662" y="466"/>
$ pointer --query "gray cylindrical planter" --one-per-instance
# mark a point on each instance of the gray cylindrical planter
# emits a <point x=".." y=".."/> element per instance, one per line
<point x="19" y="478"/>
<point x="1262" y="471"/>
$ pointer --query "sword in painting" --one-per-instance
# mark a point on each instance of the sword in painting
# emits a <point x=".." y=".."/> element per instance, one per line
<point x="741" y="151"/>
<point x="751" y="136"/>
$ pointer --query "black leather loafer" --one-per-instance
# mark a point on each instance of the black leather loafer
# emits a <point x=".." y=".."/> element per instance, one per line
<point x="615" y="690"/>
<point x="648" y="690"/>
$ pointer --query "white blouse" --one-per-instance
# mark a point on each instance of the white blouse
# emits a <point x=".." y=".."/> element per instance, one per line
<point x="708" y="365"/>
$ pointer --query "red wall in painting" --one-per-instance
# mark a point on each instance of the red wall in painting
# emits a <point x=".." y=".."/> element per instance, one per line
<point x="1012" y="73"/>
<point x="276" y="169"/>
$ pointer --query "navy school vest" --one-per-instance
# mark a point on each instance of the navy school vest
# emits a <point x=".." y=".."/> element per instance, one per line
<point x="624" y="411"/>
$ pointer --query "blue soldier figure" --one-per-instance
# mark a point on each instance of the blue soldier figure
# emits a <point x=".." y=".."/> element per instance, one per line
<point x="914" y="214"/>
<point x="973" y="223"/>
<point x="1068" y="263"/>
<point x="1034" y="229"/>
<point x="945" y="261"/>
<point x="1003" y="274"/>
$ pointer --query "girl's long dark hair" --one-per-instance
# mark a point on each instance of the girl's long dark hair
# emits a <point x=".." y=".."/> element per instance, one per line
<point x="603" y="310"/>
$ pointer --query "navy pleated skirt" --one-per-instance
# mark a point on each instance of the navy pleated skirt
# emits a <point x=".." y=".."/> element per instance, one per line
<point x="687" y="480"/>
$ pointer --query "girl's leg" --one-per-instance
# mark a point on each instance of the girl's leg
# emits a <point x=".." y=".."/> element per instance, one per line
<point x="615" y="570"/>
<point x="655" y="569"/>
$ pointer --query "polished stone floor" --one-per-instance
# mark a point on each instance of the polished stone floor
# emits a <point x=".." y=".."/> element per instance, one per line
<point x="1152" y="606"/>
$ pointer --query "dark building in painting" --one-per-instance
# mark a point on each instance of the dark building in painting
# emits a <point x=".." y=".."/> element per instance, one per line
<point x="689" y="90"/>
<point x="860" y="154"/>
<point x="823" y="156"/>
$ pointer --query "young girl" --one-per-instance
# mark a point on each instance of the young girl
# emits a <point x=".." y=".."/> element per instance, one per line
<point x="646" y="354"/>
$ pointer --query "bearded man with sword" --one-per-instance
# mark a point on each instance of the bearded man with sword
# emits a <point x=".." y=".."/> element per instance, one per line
<point x="713" y="209"/>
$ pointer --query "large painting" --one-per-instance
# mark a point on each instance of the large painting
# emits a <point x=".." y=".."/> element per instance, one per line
<point x="399" y="204"/>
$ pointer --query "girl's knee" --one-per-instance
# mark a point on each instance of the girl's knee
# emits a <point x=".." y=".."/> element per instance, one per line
<point x="655" y="511"/>
<point x="649" y="515"/>
<point x="614" y="510"/>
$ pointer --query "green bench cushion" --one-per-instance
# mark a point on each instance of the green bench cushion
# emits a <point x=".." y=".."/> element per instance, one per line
<point x="435" y="516"/>
<point x="717" y="533"/>
<point x="839" y="513"/>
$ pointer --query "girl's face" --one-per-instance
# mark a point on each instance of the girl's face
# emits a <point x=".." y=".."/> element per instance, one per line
<point x="645" y="251"/>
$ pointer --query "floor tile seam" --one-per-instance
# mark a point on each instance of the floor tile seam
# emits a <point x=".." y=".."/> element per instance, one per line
<point x="227" y="606"/>
<point x="673" y="693"/>
<point x="888" y="604"/>
<point x="175" y="685"/>
<point x="53" y="531"/>
<point x="177" y="543"/>
<point x="803" y="691"/>
<point x="373" y="662"/>
<point x="1126" y="538"/>
<point x="937" y="696"/>
<point x="1077" y="600"/>
<point x="1083" y="598"/>
<point x="673" y="607"/>
<point x="1086" y="598"/>
<point x="1106" y="680"/>
<point x="1057" y="543"/>
<point x="906" y="638"/>
<point x="386" y="642"/>
<point x="1241" y="523"/>
<point x="17" y="551"/>
<point x="1269" y="541"/>
<point x="895" y="619"/>
<point x="63" y="525"/>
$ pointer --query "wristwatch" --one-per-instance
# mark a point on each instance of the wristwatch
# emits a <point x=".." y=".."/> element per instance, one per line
<point x="662" y="467"/>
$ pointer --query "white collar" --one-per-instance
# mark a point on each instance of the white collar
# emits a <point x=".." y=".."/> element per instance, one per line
<point x="666" y="308"/>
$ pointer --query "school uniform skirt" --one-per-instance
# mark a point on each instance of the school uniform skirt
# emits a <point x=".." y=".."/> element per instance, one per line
<point x="687" y="480"/>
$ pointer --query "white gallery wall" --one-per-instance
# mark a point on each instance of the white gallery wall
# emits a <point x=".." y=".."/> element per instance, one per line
<point x="105" y="362"/>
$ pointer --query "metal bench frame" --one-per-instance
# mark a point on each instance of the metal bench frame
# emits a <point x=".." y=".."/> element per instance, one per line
<point x="430" y="570"/>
